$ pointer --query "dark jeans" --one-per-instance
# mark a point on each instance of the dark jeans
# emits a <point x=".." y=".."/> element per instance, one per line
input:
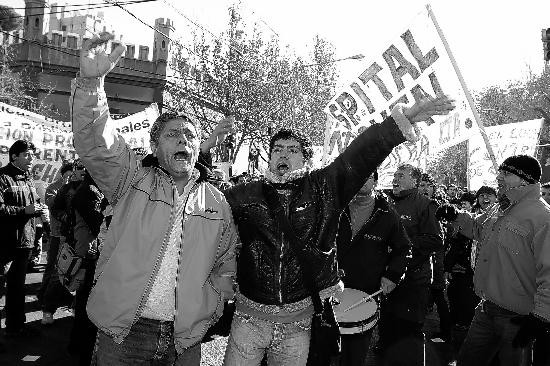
<point x="53" y="293"/>
<point x="438" y="297"/>
<point x="84" y="332"/>
<point x="14" y="279"/>
<point x="462" y="299"/>
<point x="490" y="335"/>
<point x="400" y="339"/>
<point x="150" y="342"/>
<point x="37" y="250"/>
<point x="355" y="348"/>
<point x="51" y="258"/>
<point x="541" y="352"/>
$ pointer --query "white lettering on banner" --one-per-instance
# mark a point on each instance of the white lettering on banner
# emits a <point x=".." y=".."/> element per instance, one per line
<point x="54" y="140"/>
<point x="413" y="66"/>
<point x="506" y="140"/>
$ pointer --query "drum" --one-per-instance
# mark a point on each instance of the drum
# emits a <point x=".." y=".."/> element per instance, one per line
<point x="359" y="319"/>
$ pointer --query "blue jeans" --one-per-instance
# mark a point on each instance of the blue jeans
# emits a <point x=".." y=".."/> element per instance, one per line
<point x="150" y="342"/>
<point x="490" y="335"/>
<point x="285" y="343"/>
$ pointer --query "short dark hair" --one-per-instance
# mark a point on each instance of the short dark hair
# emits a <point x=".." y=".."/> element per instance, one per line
<point x="291" y="134"/>
<point x="19" y="147"/>
<point x="66" y="166"/>
<point x="164" y="118"/>
<point x="416" y="173"/>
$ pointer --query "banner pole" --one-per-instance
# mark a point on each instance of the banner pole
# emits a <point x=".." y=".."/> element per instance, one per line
<point x="464" y="87"/>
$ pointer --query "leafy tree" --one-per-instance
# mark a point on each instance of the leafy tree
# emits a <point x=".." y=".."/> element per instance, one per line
<point x="249" y="75"/>
<point x="497" y="105"/>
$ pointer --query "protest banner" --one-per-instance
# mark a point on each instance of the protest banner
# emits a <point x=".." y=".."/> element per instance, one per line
<point x="506" y="140"/>
<point x="54" y="139"/>
<point x="415" y="65"/>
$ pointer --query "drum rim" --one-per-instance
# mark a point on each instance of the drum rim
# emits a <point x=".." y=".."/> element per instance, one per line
<point x="375" y="316"/>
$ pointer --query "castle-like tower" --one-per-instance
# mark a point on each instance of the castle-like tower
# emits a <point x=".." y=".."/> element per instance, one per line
<point x="161" y="44"/>
<point x="36" y="24"/>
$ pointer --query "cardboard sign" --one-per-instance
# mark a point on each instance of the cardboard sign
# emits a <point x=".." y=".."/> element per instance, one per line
<point x="506" y="140"/>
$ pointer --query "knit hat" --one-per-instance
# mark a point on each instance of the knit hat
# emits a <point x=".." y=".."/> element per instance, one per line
<point x="524" y="166"/>
<point x="486" y="190"/>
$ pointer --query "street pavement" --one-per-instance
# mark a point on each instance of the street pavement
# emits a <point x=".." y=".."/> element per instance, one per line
<point x="49" y="347"/>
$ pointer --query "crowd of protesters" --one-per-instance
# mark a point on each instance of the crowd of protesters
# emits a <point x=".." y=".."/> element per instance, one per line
<point x="170" y="248"/>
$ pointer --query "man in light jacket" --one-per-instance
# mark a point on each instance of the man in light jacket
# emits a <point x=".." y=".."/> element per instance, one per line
<point x="512" y="273"/>
<point x="168" y="259"/>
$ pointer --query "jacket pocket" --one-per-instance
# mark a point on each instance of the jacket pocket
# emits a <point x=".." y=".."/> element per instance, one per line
<point x="512" y="236"/>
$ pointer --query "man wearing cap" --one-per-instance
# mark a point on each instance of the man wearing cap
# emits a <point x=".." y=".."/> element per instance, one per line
<point x="512" y="274"/>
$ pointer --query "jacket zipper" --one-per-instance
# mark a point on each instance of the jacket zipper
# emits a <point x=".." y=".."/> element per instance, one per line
<point x="180" y="250"/>
<point x="158" y="260"/>
<point x="287" y="213"/>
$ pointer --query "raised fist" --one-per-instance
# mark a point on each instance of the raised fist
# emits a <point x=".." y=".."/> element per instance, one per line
<point x="94" y="62"/>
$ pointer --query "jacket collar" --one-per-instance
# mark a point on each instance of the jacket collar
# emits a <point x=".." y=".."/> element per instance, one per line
<point x="514" y="195"/>
<point x="404" y="194"/>
<point x="18" y="174"/>
<point x="287" y="177"/>
<point x="203" y="171"/>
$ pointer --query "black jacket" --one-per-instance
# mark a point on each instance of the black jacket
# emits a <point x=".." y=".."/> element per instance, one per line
<point x="380" y="248"/>
<point x="17" y="228"/>
<point x="417" y="213"/>
<point x="268" y="270"/>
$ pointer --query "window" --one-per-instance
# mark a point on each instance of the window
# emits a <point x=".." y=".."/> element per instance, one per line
<point x="56" y="39"/>
<point x="71" y="42"/>
<point x="163" y="44"/>
<point x="36" y="22"/>
<point x="63" y="28"/>
<point x="72" y="27"/>
<point x="27" y="21"/>
<point x="64" y="39"/>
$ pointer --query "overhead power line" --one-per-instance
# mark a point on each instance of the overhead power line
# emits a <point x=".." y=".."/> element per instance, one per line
<point x="85" y="6"/>
<point x="200" y="26"/>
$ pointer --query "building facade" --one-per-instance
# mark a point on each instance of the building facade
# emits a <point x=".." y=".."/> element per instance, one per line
<point x="47" y="49"/>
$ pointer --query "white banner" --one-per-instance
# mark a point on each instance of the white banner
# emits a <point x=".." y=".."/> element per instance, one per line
<point x="412" y="66"/>
<point x="506" y="140"/>
<point x="54" y="139"/>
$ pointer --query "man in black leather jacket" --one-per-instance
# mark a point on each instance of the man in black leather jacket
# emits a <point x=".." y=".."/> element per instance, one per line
<point x="274" y="308"/>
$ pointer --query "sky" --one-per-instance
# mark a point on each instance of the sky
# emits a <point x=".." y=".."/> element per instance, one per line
<point x="494" y="42"/>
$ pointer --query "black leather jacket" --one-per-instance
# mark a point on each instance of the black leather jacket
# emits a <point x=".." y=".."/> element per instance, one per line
<point x="268" y="271"/>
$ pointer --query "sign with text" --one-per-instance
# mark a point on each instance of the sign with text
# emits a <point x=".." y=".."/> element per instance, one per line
<point x="54" y="139"/>
<point x="506" y="140"/>
<point x="413" y="66"/>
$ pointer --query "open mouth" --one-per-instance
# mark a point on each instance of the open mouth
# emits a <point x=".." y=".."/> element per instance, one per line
<point x="181" y="156"/>
<point x="283" y="167"/>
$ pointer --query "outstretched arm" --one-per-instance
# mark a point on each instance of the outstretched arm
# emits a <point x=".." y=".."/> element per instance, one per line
<point x="109" y="160"/>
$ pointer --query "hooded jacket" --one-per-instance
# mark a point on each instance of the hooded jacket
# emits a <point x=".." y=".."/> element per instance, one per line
<point x="143" y="200"/>
<point x="513" y="266"/>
